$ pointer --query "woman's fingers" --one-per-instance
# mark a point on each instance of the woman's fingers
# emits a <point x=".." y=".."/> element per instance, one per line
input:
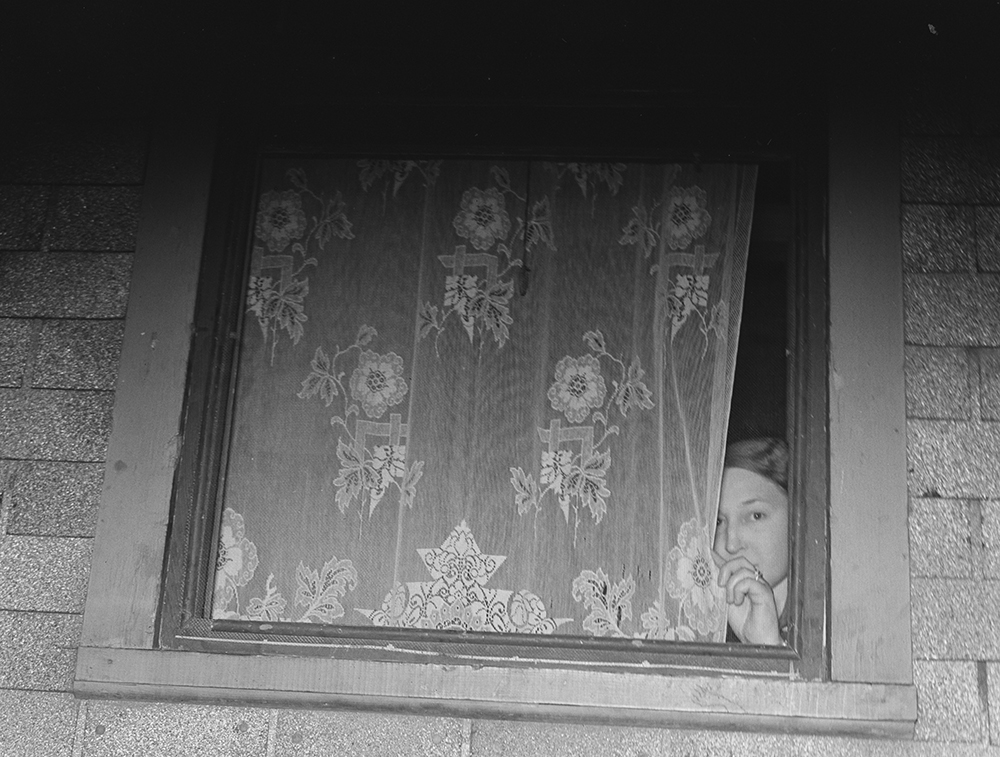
<point x="739" y="585"/>
<point x="727" y="569"/>
<point x="743" y="582"/>
<point x="742" y="587"/>
<point x="742" y="579"/>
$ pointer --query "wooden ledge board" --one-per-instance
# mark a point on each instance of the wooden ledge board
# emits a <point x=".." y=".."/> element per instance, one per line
<point x="516" y="693"/>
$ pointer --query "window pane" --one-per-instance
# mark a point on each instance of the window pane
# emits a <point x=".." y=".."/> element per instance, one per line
<point x="484" y="395"/>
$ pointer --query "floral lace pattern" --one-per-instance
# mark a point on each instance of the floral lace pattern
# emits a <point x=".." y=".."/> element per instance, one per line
<point x="590" y="393"/>
<point x="642" y="229"/>
<point x="589" y="175"/>
<point x="457" y="597"/>
<point x="281" y="220"/>
<point x="685" y="294"/>
<point x="480" y="286"/>
<point x="691" y="578"/>
<point x="236" y="559"/>
<point x="610" y="606"/>
<point x="397" y="171"/>
<point x="482" y="217"/>
<point x="377" y="382"/>
<point x="688" y="296"/>
<point x="686" y="217"/>
<point x="367" y="469"/>
<point x="579" y="387"/>
<point x="578" y="479"/>
<point x="318" y="591"/>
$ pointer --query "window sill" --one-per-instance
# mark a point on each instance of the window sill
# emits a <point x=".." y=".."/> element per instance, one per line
<point x="886" y="710"/>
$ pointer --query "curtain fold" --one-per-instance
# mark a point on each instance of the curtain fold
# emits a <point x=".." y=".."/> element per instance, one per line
<point x="485" y="395"/>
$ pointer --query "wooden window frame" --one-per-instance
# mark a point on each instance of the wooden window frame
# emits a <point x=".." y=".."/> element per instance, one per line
<point x="185" y="620"/>
<point x="868" y="686"/>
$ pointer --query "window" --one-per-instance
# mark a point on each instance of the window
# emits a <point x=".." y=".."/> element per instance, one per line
<point x="119" y="652"/>
<point x="517" y="366"/>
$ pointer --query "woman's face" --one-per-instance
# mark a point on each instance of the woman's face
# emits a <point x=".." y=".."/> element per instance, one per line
<point x="753" y="523"/>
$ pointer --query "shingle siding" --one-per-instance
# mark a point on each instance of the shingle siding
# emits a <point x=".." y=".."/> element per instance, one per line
<point x="69" y="206"/>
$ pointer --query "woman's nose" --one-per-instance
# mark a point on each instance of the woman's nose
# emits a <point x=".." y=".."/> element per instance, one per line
<point x="734" y="542"/>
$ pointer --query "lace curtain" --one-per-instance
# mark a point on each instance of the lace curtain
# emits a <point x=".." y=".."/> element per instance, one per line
<point x="485" y="395"/>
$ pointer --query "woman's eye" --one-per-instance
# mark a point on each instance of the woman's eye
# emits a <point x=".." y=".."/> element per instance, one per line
<point x="757" y="515"/>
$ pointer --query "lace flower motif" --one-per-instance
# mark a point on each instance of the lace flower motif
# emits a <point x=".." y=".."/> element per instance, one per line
<point x="482" y="219"/>
<point x="389" y="462"/>
<point x="579" y="386"/>
<point x="686" y="217"/>
<point x="393" y="609"/>
<point x="555" y="467"/>
<point x="528" y="615"/>
<point x="280" y="219"/>
<point x="460" y="291"/>
<point x="633" y="392"/>
<point x="260" y="291"/>
<point x="236" y="561"/>
<point x="656" y="625"/>
<point x="691" y="574"/>
<point x="378" y="382"/>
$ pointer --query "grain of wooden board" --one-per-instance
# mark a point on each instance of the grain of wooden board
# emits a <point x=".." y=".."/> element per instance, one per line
<point x="128" y="552"/>
<point x="546" y="694"/>
<point x="869" y="547"/>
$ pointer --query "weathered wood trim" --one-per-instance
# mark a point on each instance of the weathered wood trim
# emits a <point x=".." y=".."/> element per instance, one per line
<point x="127" y="564"/>
<point x="543" y="694"/>
<point x="869" y="547"/>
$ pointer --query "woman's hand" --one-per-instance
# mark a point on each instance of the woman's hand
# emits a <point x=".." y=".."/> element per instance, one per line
<point x="743" y="583"/>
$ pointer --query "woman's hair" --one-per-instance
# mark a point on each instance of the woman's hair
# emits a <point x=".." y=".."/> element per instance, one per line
<point x="766" y="456"/>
